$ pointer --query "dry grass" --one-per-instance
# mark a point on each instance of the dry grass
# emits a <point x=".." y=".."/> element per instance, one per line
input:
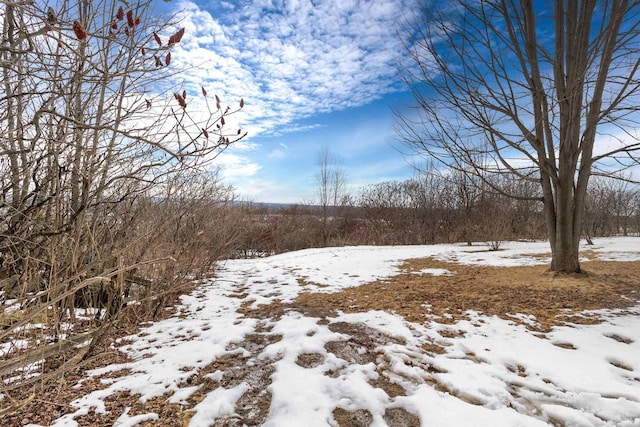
<point x="501" y="291"/>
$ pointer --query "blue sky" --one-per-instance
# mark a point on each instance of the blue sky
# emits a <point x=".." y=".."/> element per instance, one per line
<point x="313" y="74"/>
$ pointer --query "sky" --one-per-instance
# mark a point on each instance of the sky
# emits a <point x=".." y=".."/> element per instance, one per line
<point x="313" y="74"/>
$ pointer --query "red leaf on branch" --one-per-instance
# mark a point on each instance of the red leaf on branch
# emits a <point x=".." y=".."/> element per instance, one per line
<point x="158" y="61"/>
<point x="222" y="120"/>
<point x="178" y="35"/>
<point x="184" y="94"/>
<point x="167" y="60"/>
<point x="79" y="30"/>
<point x="217" y="100"/>
<point x="130" y="21"/>
<point x="126" y="32"/>
<point x="114" y="25"/>
<point x="137" y="21"/>
<point x="180" y="100"/>
<point x="241" y="102"/>
<point x="204" y="91"/>
<point x="205" y="133"/>
<point x="172" y="40"/>
<point x="120" y="14"/>
<point x="157" y="37"/>
<point x="142" y="50"/>
<point x="239" y="131"/>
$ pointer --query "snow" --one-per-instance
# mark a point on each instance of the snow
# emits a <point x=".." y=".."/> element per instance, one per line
<point x="218" y="403"/>
<point x="493" y="372"/>
<point x="433" y="271"/>
<point x="125" y="420"/>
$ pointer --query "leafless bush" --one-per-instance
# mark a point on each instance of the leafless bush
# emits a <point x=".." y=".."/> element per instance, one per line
<point x="101" y="185"/>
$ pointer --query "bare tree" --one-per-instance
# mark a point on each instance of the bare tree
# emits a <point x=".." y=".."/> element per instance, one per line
<point x="86" y="122"/>
<point x="94" y="133"/>
<point x="545" y="91"/>
<point x="331" y="182"/>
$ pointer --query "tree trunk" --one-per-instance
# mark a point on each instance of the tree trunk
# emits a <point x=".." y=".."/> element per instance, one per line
<point x="564" y="257"/>
<point x="565" y="245"/>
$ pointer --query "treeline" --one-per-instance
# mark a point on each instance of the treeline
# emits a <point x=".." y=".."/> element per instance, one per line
<point x="432" y="209"/>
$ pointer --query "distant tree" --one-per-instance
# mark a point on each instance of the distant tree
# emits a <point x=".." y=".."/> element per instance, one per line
<point x="546" y="92"/>
<point x="330" y="187"/>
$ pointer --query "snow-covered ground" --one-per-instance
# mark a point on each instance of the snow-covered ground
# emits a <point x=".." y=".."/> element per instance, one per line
<point x="494" y="372"/>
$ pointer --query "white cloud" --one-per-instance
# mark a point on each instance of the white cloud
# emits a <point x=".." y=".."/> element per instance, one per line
<point x="261" y="190"/>
<point x="277" y="154"/>
<point x="235" y="167"/>
<point x="291" y="59"/>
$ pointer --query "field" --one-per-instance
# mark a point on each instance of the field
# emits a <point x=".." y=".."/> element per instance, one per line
<point x="443" y="335"/>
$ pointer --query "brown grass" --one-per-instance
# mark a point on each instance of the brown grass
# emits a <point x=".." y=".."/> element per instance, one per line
<point x="501" y="291"/>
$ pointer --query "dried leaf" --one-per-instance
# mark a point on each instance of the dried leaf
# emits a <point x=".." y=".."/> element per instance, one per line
<point x="130" y="21"/>
<point x="168" y="58"/>
<point x="184" y="94"/>
<point x="80" y="32"/>
<point x="142" y="50"/>
<point x="158" y="61"/>
<point x="239" y="131"/>
<point x="114" y="25"/>
<point x="148" y="103"/>
<point x="180" y="100"/>
<point x="241" y="102"/>
<point x="205" y="133"/>
<point x="204" y="91"/>
<point x="157" y="37"/>
<point x="178" y="35"/>
<point x="172" y="40"/>
<point x="137" y="21"/>
<point x="120" y="14"/>
<point x="217" y="100"/>
<point x="222" y="120"/>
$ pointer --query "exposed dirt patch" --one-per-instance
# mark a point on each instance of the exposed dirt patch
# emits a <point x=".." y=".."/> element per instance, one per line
<point x="565" y="345"/>
<point x="358" y="418"/>
<point x="620" y="365"/>
<point x="360" y="346"/>
<point x="620" y="338"/>
<point x="252" y="407"/>
<point x="309" y="360"/>
<point x="392" y="389"/>
<point x="530" y="290"/>
<point x="304" y="281"/>
<point x="274" y="311"/>
<point x="520" y="370"/>
<point x="399" y="417"/>
<point x="432" y="348"/>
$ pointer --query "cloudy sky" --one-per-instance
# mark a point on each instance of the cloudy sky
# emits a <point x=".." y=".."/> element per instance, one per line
<point x="314" y="74"/>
